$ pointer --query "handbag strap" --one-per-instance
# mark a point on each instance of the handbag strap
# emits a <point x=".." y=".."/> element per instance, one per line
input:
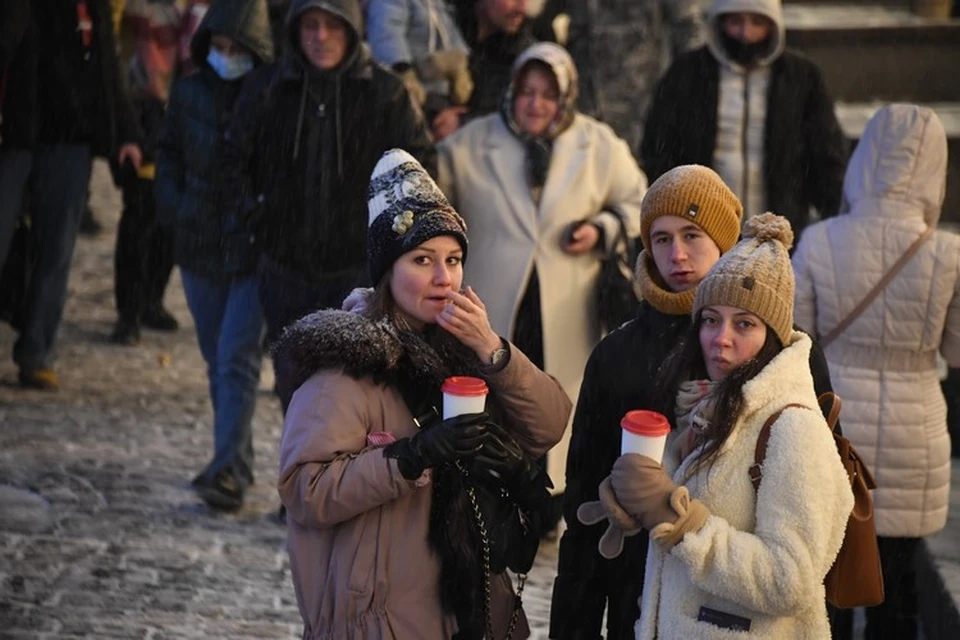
<point x="826" y="400"/>
<point x="622" y="239"/>
<point x="880" y="286"/>
<point x="756" y="469"/>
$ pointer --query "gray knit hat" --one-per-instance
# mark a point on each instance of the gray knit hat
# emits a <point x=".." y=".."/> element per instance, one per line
<point x="756" y="275"/>
<point x="406" y="209"/>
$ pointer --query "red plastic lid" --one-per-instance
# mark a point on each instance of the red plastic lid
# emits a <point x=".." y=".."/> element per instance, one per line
<point x="464" y="386"/>
<point x="646" y="423"/>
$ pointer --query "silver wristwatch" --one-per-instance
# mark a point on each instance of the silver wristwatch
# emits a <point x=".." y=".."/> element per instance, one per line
<point x="498" y="354"/>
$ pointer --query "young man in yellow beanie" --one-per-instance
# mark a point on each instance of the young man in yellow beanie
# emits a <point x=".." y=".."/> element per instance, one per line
<point x="688" y="219"/>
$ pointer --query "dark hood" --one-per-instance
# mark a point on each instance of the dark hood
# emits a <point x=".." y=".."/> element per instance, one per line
<point x="247" y="22"/>
<point x="772" y="9"/>
<point x="347" y="10"/>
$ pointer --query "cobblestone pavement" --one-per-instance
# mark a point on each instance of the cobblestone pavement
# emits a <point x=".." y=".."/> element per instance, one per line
<point x="100" y="533"/>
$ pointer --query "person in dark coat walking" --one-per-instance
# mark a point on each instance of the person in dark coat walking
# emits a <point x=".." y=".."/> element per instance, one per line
<point x="82" y="111"/>
<point x="688" y="219"/>
<point x="216" y="254"/>
<point x="297" y="157"/>
<point x="759" y="115"/>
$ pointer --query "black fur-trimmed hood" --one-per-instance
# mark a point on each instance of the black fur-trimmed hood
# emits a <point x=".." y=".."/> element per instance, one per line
<point x="361" y="347"/>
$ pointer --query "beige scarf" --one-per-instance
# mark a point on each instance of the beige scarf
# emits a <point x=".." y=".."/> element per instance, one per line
<point x="694" y="412"/>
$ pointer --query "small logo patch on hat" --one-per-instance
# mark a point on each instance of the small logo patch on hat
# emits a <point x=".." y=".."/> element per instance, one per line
<point x="748" y="283"/>
<point x="693" y="210"/>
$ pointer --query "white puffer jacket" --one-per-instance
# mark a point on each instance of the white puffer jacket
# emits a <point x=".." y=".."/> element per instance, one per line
<point x="762" y="555"/>
<point x="884" y="365"/>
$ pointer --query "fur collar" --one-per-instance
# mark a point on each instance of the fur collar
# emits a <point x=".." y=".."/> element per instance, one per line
<point x="362" y="347"/>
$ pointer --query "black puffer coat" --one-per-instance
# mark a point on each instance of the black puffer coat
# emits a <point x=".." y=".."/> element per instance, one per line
<point x="621" y="375"/>
<point x="208" y="239"/>
<point x="299" y="151"/>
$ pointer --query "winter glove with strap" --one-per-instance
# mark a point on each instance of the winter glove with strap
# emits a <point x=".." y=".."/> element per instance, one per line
<point x="453" y="439"/>
<point x="621" y="524"/>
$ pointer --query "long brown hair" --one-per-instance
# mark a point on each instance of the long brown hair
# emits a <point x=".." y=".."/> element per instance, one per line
<point x="381" y="303"/>
<point x="686" y="362"/>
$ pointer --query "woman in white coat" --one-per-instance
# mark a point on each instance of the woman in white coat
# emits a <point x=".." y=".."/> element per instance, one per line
<point x="884" y="364"/>
<point x="726" y="559"/>
<point x="544" y="190"/>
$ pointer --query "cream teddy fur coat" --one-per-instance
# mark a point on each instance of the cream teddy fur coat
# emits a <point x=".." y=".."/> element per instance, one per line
<point x="761" y="555"/>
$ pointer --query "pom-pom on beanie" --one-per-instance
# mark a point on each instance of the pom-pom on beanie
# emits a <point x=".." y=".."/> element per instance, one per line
<point x="756" y="275"/>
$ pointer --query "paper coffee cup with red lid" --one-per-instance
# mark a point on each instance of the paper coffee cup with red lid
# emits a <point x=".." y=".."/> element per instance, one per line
<point x="645" y="433"/>
<point x="463" y="394"/>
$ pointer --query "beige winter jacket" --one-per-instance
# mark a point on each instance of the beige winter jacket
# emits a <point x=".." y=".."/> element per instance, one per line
<point x="362" y="567"/>
<point x="884" y="365"/>
<point x="592" y="176"/>
<point x="762" y="555"/>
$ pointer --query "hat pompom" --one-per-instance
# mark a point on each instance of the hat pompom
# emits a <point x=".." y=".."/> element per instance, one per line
<point x="768" y="226"/>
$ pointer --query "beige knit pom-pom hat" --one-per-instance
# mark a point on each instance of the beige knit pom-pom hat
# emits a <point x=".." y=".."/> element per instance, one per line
<point x="756" y="275"/>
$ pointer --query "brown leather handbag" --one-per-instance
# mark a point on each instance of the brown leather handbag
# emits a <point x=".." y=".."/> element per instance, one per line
<point x="856" y="577"/>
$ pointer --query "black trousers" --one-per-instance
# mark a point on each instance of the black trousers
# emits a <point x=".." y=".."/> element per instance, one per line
<point x="143" y="259"/>
<point x="897" y="617"/>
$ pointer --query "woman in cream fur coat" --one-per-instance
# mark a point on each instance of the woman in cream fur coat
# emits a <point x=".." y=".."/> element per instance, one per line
<point x="726" y="560"/>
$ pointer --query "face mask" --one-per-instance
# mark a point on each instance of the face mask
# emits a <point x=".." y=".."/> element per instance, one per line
<point x="230" y="67"/>
<point x="742" y="53"/>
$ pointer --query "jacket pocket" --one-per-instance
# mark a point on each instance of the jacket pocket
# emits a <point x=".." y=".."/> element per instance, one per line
<point x="364" y="560"/>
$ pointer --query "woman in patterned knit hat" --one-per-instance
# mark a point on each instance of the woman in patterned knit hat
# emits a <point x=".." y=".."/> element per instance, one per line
<point x="380" y="493"/>
<point x="725" y="556"/>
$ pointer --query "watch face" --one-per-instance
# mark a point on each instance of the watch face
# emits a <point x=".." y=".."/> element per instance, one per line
<point x="497" y="356"/>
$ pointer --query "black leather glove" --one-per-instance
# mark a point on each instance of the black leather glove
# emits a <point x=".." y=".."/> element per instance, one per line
<point x="502" y="458"/>
<point x="452" y="439"/>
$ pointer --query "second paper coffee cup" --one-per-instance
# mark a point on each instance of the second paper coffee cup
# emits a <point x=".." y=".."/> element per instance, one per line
<point x="463" y="394"/>
<point x="644" y="432"/>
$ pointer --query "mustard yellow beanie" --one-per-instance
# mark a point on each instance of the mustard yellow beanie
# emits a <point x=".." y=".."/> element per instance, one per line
<point x="698" y="194"/>
<point x="756" y="275"/>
